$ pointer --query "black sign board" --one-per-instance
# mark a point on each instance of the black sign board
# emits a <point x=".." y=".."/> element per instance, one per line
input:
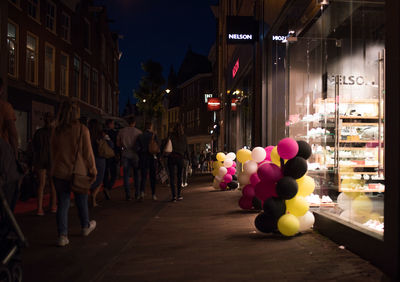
<point x="241" y="30"/>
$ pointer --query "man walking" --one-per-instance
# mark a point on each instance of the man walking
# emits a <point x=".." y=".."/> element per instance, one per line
<point x="126" y="140"/>
<point x="110" y="174"/>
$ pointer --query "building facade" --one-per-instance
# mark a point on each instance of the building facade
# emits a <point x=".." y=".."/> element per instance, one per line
<point x="58" y="50"/>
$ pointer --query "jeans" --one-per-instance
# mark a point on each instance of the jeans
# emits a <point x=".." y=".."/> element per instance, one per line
<point x="100" y="166"/>
<point x="175" y="160"/>
<point x="127" y="165"/>
<point x="185" y="171"/>
<point x="63" y="190"/>
<point x="110" y="174"/>
<point x="148" y="164"/>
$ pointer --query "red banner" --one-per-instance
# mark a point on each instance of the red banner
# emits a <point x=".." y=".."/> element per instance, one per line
<point x="233" y="104"/>
<point x="214" y="104"/>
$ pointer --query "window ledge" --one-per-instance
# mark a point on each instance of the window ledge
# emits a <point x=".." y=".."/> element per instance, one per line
<point x="52" y="31"/>
<point x="35" y="20"/>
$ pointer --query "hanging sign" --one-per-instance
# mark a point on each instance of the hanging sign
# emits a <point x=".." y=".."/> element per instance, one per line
<point x="241" y="30"/>
<point x="234" y="104"/>
<point x="214" y="104"/>
<point x="235" y="69"/>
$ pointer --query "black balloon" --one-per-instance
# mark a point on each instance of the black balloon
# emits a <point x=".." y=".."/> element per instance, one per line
<point x="234" y="177"/>
<point x="295" y="167"/>
<point x="233" y="185"/>
<point x="275" y="206"/>
<point x="257" y="204"/>
<point x="304" y="150"/>
<point x="286" y="187"/>
<point x="265" y="222"/>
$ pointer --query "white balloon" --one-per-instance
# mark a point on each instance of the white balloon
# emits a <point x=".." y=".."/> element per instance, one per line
<point x="306" y="221"/>
<point x="344" y="201"/>
<point x="250" y="167"/>
<point x="258" y="154"/>
<point x="222" y="171"/>
<point x="244" y="179"/>
<point x="231" y="156"/>
<point x="228" y="163"/>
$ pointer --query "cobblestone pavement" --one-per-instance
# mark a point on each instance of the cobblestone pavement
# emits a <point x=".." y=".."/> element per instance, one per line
<point x="205" y="237"/>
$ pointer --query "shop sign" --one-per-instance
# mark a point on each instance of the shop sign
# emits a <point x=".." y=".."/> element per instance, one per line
<point x="213" y="104"/>
<point x="207" y="96"/>
<point x="235" y="69"/>
<point x="234" y="104"/>
<point x="278" y="38"/>
<point x="241" y="30"/>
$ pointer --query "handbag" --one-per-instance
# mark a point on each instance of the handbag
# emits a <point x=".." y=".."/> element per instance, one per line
<point x="168" y="147"/>
<point x="105" y="151"/>
<point x="153" y="146"/>
<point x="80" y="183"/>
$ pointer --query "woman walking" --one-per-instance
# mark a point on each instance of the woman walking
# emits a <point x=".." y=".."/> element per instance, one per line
<point x="72" y="155"/>
<point x="42" y="162"/>
<point x="175" y="159"/>
<point x="97" y="136"/>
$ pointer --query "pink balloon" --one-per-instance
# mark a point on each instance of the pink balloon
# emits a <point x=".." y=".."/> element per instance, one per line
<point x="246" y="203"/>
<point x="269" y="173"/>
<point x="223" y="185"/>
<point x="268" y="150"/>
<point x="265" y="190"/>
<point x="254" y="179"/>
<point x="231" y="170"/>
<point x="233" y="164"/>
<point x="248" y="191"/>
<point x="227" y="178"/>
<point x="263" y="162"/>
<point x="288" y="148"/>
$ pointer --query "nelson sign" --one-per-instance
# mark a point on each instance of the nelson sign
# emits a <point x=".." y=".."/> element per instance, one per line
<point x="241" y="30"/>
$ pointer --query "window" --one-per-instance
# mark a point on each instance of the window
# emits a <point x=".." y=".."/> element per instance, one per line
<point x="86" y="34"/>
<point x="31" y="58"/>
<point x="65" y="26"/>
<point x="103" y="92"/>
<point x="85" y="82"/>
<point x="103" y="49"/>
<point x="33" y="9"/>
<point x="51" y="16"/>
<point x="64" y="67"/>
<point x="76" y="77"/>
<point x="95" y="88"/>
<point x="12" y="49"/>
<point x="49" y="58"/>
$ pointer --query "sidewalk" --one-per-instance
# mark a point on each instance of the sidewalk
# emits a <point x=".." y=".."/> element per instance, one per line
<point x="205" y="237"/>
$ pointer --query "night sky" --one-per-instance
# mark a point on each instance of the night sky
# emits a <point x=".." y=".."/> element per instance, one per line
<point x="161" y="30"/>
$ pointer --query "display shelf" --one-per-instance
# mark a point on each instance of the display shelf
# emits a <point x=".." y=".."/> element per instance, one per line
<point x="359" y="117"/>
<point x="361" y="190"/>
<point x="323" y="205"/>
<point x="358" y="148"/>
<point x="348" y="124"/>
<point x="352" y="166"/>
<point x="360" y="172"/>
<point x="358" y="141"/>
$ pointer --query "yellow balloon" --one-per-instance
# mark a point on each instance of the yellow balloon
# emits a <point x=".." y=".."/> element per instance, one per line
<point x="288" y="225"/>
<point x="306" y="185"/>
<point x="217" y="165"/>
<point x="221" y="156"/>
<point x="215" y="172"/>
<point x="362" y="205"/>
<point x="243" y="155"/>
<point x="275" y="158"/>
<point x="297" y="206"/>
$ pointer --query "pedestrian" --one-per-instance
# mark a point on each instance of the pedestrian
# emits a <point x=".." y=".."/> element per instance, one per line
<point x="8" y="131"/>
<point x="175" y="159"/>
<point x="148" y="148"/>
<point x="110" y="174"/>
<point x="126" y="140"/>
<point x="42" y="162"/>
<point x="72" y="154"/>
<point x="96" y="136"/>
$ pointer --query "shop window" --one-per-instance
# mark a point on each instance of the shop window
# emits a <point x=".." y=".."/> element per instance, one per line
<point x="31" y="58"/>
<point x="49" y="57"/>
<point x="64" y="71"/>
<point x="95" y="88"/>
<point x="51" y="16"/>
<point x="85" y="82"/>
<point x="12" y="43"/>
<point x="33" y="9"/>
<point x="65" y="26"/>
<point x="76" y="78"/>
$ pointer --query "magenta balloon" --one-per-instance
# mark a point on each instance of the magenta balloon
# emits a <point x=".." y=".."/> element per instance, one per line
<point x="227" y="178"/>
<point x="269" y="172"/>
<point x="268" y="150"/>
<point x="246" y="203"/>
<point x="231" y="170"/>
<point x="265" y="190"/>
<point x="263" y="162"/>
<point x="254" y="179"/>
<point x="288" y="148"/>
<point x="248" y="191"/>
<point x="233" y="164"/>
<point x="223" y="185"/>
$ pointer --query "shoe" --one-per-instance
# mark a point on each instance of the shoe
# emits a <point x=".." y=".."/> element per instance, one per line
<point x="86" y="231"/>
<point x="40" y="213"/>
<point x="180" y="198"/>
<point x="155" y="198"/>
<point x="62" y="241"/>
<point x="107" y="194"/>
<point x="173" y="200"/>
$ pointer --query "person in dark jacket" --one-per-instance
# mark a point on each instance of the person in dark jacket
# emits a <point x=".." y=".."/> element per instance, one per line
<point x="110" y="173"/>
<point x="175" y="159"/>
<point x="147" y="160"/>
<point x="42" y="162"/>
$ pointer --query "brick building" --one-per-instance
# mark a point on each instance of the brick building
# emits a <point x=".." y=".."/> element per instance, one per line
<point x="58" y="49"/>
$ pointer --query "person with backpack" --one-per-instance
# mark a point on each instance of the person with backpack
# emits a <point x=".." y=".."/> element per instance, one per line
<point x="148" y="147"/>
<point x="126" y="140"/>
<point x="42" y="162"/>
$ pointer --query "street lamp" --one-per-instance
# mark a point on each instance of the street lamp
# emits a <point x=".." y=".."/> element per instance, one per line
<point x="144" y="100"/>
<point x="167" y="90"/>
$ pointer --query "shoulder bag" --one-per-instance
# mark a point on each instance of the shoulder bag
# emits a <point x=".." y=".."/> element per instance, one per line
<point x="153" y="146"/>
<point x="105" y="151"/>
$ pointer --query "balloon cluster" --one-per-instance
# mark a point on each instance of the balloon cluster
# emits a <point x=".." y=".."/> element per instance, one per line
<point x="224" y="170"/>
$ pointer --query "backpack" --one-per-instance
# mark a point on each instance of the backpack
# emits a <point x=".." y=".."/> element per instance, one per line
<point x="153" y="146"/>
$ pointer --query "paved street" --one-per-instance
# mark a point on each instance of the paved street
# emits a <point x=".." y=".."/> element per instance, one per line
<point x="205" y="237"/>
